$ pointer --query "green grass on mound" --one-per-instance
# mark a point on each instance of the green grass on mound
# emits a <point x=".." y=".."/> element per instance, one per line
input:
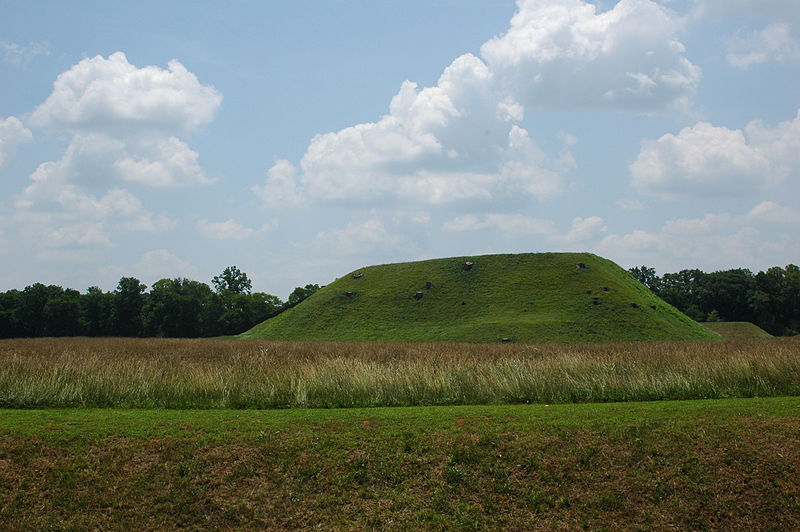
<point x="738" y="330"/>
<point x="698" y="465"/>
<point x="530" y="297"/>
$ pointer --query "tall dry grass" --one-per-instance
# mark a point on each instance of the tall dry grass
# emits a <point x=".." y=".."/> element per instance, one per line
<point x="237" y="374"/>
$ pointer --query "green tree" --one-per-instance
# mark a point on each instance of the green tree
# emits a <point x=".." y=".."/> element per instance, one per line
<point x="34" y="298"/>
<point x="301" y="293"/>
<point x="98" y="312"/>
<point x="232" y="281"/>
<point x="791" y="299"/>
<point x="243" y="311"/>
<point x="128" y="305"/>
<point x="263" y="306"/>
<point x="10" y="314"/>
<point x="682" y="290"/>
<point x="728" y="292"/>
<point x="647" y="276"/>
<point x="180" y="308"/>
<point x="63" y="315"/>
<point x="766" y="300"/>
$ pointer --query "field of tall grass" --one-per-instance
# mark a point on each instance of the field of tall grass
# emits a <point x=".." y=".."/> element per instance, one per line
<point x="156" y="373"/>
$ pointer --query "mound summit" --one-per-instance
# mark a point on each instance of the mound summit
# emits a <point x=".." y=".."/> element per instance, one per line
<point x="530" y="297"/>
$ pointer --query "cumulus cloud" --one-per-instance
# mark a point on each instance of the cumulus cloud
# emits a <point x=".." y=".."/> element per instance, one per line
<point x="772" y="43"/>
<point x="110" y="94"/>
<point x="282" y="188"/>
<point x="566" y="53"/>
<point x="230" y="230"/>
<point x="712" y="241"/>
<point x="717" y="161"/>
<point x="459" y="140"/>
<point x="12" y="135"/>
<point x="438" y="145"/>
<point x="125" y="122"/>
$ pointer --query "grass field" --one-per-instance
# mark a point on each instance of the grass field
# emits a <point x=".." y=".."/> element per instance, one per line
<point x="528" y="297"/>
<point x="738" y="330"/>
<point x="730" y="465"/>
<point x="157" y="373"/>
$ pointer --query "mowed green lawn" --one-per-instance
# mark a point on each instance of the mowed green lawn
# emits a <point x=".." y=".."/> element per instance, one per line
<point x="730" y="464"/>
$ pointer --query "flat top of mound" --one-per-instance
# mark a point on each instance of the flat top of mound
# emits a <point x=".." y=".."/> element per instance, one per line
<point x="531" y="297"/>
<point x="738" y="330"/>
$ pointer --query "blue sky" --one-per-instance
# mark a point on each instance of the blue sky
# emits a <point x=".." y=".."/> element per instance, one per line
<point x="301" y="140"/>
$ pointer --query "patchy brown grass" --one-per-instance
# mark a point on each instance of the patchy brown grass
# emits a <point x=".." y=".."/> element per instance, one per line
<point x="655" y="466"/>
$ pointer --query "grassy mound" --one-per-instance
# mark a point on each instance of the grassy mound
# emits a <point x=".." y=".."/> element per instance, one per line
<point x="541" y="297"/>
<point x="738" y="330"/>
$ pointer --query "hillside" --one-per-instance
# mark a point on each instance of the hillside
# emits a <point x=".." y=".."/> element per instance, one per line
<point x="542" y="297"/>
<point x="738" y="330"/>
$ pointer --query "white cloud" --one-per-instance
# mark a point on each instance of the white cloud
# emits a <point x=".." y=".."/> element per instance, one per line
<point x="164" y="163"/>
<point x="630" y="204"/>
<point x="16" y="54"/>
<point x="438" y="145"/>
<point x="773" y="9"/>
<point x="68" y="217"/>
<point x="713" y="241"/>
<point x="709" y="223"/>
<point x="154" y="265"/>
<point x="113" y="96"/>
<point x="12" y="134"/>
<point x="125" y="122"/>
<point x="506" y="223"/>
<point x="95" y="160"/>
<point x="717" y="161"/>
<point x="282" y="188"/>
<point x="566" y="53"/>
<point x="583" y="231"/>
<point x="416" y="217"/>
<point x="231" y="230"/>
<point x="772" y="212"/>
<point x="357" y="238"/>
<point x="457" y="141"/>
<point x="80" y="234"/>
<point x="773" y="43"/>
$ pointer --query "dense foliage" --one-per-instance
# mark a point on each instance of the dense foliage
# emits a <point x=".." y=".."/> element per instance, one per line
<point x="177" y="308"/>
<point x="770" y="299"/>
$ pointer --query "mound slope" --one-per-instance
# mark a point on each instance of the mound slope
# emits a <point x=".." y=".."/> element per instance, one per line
<point x="532" y="297"/>
<point x="738" y="330"/>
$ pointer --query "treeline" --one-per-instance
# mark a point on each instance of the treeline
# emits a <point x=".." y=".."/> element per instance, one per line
<point x="176" y="308"/>
<point x="770" y="299"/>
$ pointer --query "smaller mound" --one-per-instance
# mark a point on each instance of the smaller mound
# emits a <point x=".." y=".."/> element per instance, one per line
<point x="738" y="330"/>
